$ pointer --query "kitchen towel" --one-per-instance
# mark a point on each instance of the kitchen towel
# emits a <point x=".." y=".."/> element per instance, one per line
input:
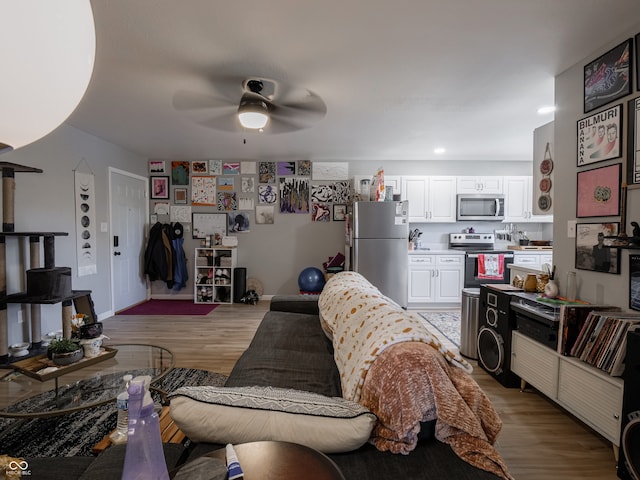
<point x="491" y="266"/>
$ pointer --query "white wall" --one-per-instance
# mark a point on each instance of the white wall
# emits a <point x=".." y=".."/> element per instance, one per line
<point x="592" y="286"/>
<point x="44" y="202"/>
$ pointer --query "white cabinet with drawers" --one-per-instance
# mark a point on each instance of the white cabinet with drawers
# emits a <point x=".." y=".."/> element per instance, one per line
<point x="588" y="393"/>
<point x="435" y="278"/>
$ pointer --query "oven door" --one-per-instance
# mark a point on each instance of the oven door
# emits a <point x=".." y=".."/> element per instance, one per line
<point x="486" y="267"/>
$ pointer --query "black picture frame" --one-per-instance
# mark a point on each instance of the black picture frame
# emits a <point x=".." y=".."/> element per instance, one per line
<point x="638" y="61"/>
<point x="633" y="142"/>
<point x="600" y="136"/>
<point x="598" y="191"/>
<point x="593" y="247"/>
<point x="609" y="77"/>
<point x="634" y="281"/>
<point x="159" y="186"/>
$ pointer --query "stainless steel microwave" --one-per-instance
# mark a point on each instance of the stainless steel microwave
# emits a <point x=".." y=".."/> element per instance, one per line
<point x="481" y="206"/>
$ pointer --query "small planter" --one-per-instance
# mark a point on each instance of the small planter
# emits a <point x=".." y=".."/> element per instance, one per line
<point x="67" y="358"/>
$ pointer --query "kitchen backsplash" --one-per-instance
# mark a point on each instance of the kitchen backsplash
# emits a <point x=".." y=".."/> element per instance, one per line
<point x="436" y="235"/>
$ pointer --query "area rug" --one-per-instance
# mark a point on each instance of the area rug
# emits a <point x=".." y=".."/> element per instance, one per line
<point x="76" y="433"/>
<point x="170" y="307"/>
<point x="447" y="323"/>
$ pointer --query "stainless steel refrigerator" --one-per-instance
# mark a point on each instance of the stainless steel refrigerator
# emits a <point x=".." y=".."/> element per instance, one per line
<point x="380" y="246"/>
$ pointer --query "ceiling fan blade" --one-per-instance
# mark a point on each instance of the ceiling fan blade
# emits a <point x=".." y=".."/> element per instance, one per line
<point x="187" y="100"/>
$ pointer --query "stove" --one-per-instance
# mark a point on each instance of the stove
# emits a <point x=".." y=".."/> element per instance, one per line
<point x="478" y="248"/>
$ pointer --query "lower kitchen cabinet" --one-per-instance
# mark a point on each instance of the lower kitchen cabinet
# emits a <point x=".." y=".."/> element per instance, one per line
<point x="586" y="392"/>
<point x="435" y="278"/>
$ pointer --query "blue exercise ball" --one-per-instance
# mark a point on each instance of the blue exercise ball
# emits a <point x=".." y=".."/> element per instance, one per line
<point x="311" y="279"/>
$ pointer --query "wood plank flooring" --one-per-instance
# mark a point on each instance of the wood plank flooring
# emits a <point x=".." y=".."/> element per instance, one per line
<point x="539" y="440"/>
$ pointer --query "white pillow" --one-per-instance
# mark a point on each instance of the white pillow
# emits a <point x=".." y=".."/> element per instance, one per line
<point x="249" y="414"/>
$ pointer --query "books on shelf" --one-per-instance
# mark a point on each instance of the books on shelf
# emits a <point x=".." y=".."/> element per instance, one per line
<point x="602" y="339"/>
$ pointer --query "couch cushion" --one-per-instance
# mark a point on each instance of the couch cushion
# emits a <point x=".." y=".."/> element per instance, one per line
<point x="295" y="304"/>
<point x="248" y="414"/>
<point x="108" y="465"/>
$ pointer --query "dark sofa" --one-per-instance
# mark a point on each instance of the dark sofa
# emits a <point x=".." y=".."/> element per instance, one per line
<point x="289" y="350"/>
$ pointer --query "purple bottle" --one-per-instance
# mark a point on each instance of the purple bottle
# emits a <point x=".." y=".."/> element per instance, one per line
<point x="144" y="458"/>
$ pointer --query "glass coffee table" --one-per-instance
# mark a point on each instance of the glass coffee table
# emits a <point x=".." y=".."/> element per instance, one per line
<point x="27" y="394"/>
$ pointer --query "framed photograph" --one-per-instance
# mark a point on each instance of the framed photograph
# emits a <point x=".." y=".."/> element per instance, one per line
<point x="180" y="196"/>
<point x="633" y="144"/>
<point x="634" y="281"/>
<point x="599" y="192"/>
<point x="339" y="212"/>
<point x="159" y="187"/>
<point x="205" y="224"/>
<point x="156" y="167"/>
<point x="600" y="136"/>
<point x="608" y="77"/>
<point x="593" y="252"/>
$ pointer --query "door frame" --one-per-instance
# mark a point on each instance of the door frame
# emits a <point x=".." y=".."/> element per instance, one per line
<point x="111" y="171"/>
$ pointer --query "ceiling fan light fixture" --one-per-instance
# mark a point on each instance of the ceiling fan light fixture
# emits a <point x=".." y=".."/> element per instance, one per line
<point x="253" y="113"/>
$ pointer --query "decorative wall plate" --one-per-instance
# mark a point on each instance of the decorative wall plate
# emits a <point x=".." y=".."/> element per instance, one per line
<point x="544" y="202"/>
<point x="545" y="185"/>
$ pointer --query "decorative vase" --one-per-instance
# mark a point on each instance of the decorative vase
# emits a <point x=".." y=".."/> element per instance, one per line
<point x="531" y="282"/>
<point x="551" y="289"/>
<point x="67" y="358"/>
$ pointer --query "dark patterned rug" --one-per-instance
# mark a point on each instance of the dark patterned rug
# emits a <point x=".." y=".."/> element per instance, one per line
<point x="76" y="433"/>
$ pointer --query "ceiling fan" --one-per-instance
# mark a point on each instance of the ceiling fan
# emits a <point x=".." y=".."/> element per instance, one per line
<point x="269" y="106"/>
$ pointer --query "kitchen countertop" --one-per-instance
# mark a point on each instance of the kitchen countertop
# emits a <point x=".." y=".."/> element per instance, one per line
<point x="435" y="251"/>
<point x="530" y="248"/>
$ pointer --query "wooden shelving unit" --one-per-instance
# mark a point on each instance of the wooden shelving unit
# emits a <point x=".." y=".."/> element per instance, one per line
<point x="214" y="274"/>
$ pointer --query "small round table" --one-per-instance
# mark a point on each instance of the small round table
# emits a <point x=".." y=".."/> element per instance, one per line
<point x="271" y="460"/>
<point x="86" y="384"/>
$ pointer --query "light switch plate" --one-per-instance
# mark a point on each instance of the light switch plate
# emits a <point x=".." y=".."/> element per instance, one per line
<point x="571" y="229"/>
<point x="104" y="227"/>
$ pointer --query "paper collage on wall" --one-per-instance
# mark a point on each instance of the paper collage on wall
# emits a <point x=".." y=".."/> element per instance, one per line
<point x="85" y="223"/>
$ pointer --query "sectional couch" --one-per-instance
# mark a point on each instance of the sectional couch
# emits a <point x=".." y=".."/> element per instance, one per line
<point x="393" y="432"/>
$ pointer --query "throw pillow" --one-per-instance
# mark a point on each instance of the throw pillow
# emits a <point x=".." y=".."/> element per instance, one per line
<point x="249" y="414"/>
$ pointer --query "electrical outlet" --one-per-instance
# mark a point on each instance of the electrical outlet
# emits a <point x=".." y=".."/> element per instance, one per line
<point x="571" y="229"/>
<point x="20" y="319"/>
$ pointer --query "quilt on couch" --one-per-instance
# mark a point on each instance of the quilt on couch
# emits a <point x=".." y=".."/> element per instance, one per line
<point x="391" y="364"/>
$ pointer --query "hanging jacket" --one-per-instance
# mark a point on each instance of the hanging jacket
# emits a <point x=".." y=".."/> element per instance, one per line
<point x="180" y="271"/>
<point x="155" y="256"/>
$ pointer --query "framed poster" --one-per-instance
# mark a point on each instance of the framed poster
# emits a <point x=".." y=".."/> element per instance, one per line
<point x="634" y="281"/>
<point x="156" y="167"/>
<point x="599" y="192"/>
<point x="593" y="252"/>
<point x="608" y="77"/>
<point x="160" y="187"/>
<point x="199" y="167"/>
<point x="204" y="224"/>
<point x="633" y="144"/>
<point x="339" y="212"/>
<point x="600" y="136"/>
<point x="180" y="196"/>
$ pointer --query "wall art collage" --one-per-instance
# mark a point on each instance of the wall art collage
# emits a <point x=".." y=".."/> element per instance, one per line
<point x="602" y="190"/>
<point x="214" y="193"/>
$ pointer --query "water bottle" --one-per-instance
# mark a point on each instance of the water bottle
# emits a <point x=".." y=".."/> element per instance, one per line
<point x="144" y="457"/>
<point x="122" y="402"/>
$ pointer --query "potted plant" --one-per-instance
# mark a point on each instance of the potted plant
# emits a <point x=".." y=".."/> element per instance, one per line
<point x="64" y="351"/>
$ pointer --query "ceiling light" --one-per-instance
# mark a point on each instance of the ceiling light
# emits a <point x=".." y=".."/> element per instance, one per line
<point x="47" y="60"/>
<point x="546" y="109"/>
<point x="253" y="112"/>
<point x="439" y="150"/>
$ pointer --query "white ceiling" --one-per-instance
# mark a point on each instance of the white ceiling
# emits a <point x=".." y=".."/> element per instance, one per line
<point x="398" y="78"/>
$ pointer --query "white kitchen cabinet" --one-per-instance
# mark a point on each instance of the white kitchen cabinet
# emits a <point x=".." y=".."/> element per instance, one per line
<point x="532" y="259"/>
<point x="431" y="199"/>
<point x="435" y="278"/>
<point x="588" y="393"/>
<point x="479" y="184"/>
<point x="518" y="207"/>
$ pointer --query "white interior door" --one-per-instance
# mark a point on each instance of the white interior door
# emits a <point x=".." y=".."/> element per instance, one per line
<point x="129" y="211"/>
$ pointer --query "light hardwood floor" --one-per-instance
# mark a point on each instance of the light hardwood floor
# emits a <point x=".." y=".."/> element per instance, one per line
<point x="539" y="441"/>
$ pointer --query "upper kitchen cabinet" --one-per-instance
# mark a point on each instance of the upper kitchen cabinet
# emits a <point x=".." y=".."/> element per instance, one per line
<point x="479" y="185"/>
<point x="431" y="199"/>
<point x="363" y="182"/>
<point x="518" y="208"/>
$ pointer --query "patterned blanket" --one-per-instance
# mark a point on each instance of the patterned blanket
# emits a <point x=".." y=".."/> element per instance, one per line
<point x="363" y="322"/>
<point x="390" y="363"/>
